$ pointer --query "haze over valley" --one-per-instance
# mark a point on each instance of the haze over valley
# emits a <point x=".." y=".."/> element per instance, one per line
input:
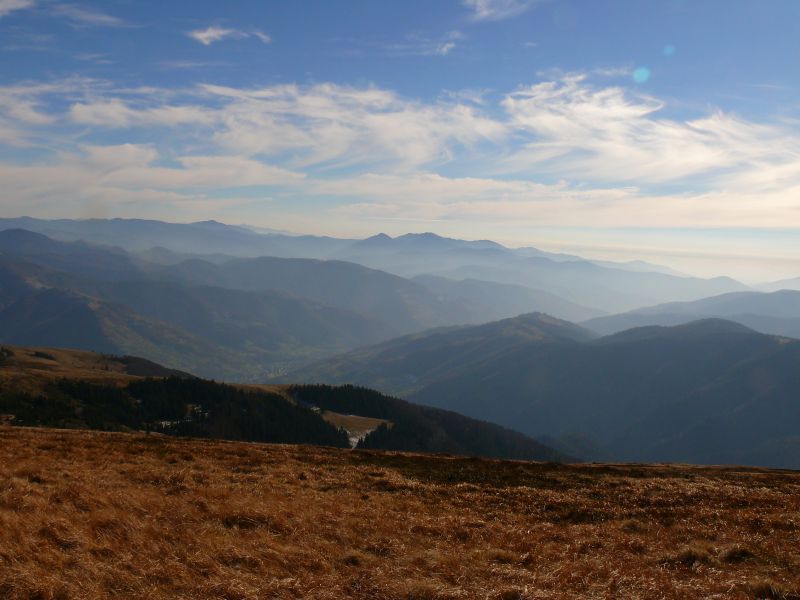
<point x="711" y="355"/>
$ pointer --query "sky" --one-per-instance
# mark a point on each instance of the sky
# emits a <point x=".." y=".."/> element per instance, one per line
<point x="666" y="130"/>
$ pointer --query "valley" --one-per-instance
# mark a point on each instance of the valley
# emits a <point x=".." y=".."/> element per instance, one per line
<point x="82" y="390"/>
<point x="516" y="337"/>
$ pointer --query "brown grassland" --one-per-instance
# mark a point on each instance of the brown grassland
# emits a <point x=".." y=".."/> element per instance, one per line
<point x="30" y="369"/>
<point x="99" y="515"/>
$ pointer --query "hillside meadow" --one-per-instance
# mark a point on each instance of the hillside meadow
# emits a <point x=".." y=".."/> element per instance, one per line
<point x="98" y="515"/>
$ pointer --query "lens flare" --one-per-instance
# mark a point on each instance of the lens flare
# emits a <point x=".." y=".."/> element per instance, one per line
<point x="641" y="74"/>
<point x="668" y="50"/>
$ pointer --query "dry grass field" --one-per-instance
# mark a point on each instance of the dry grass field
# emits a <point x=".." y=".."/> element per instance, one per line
<point x="30" y="369"/>
<point x="98" y="515"/>
<point x="357" y="427"/>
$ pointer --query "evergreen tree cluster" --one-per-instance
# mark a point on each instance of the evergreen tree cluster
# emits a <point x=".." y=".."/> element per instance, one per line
<point x="417" y="428"/>
<point x="176" y="406"/>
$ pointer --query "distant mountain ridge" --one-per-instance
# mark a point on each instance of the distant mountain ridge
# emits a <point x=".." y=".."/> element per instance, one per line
<point x="418" y="360"/>
<point x="612" y="287"/>
<point x="776" y="313"/>
<point x="785" y="284"/>
<point x="236" y="318"/>
<point x="708" y="391"/>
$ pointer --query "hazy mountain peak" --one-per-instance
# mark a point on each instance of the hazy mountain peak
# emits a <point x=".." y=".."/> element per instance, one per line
<point x="539" y="325"/>
<point x="380" y="237"/>
<point x="427" y="235"/>
<point x="212" y="224"/>
<point x="706" y="326"/>
<point x="19" y="234"/>
<point x="701" y="328"/>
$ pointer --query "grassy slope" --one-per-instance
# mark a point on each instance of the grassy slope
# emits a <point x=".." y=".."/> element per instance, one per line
<point x="408" y="364"/>
<point x="232" y="414"/>
<point x="92" y="515"/>
<point x="32" y="369"/>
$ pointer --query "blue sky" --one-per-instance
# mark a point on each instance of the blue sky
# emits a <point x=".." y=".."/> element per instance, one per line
<point x="665" y="130"/>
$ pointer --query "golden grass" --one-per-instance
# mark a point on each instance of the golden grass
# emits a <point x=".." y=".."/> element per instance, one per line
<point x="30" y="369"/>
<point x="269" y="388"/>
<point x="357" y="427"/>
<point x="95" y="515"/>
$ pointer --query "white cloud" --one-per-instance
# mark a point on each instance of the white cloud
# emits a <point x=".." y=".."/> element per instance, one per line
<point x="9" y="6"/>
<point x="328" y="124"/>
<point x="212" y="34"/>
<point x="86" y="17"/>
<point x="117" y="113"/>
<point x="418" y="44"/>
<point x="22" y="111"/>
<point x="561" y="152"/>
<point x="191" y="64"/>
<point x="206" y="172"/>
<point x="495" y="10"/>
<point x="261" y="36"/>
<point x="128" y="175"/>
<point x="445" y="48"/>
<point x="486" y="201"/>
<point x="572" y="129"/>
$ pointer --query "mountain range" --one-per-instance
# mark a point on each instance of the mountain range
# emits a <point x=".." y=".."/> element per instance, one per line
<point x="601" y="286"/>
<point x="776" y="313"/>
<point x="710" y="391"/>
<point x="245" y="318"/>
<point x="701" y="370"/>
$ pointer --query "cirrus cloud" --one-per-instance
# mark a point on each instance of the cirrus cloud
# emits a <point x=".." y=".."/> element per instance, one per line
<point x="559" y="152"/>
<point x="213" y="34"/>
<point x="496" y="10"/>
<point x="9" y="6"/>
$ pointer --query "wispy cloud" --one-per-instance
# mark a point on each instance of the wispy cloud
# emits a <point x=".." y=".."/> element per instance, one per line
<point x="609" y="135"/>
<point x="190" y="64"/>
<point x="117" y="113"/>
<point x="86" y="17"/>
<point x="261" y="36"/>
<point x="334" y="125"/>
<point x="561" y="152"/>
<point x="9" y="6"/>
<point x="418" y="44"/>
<point x="445" y="48"/>
<point x="213" y="34"/>
<point x="612" y="72"/>
<point x="496" y="10"/>
<point x="94" y="57"/>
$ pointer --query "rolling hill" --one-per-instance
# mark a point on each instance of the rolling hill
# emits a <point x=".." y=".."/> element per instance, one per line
<point x="400" y="304"/>
<point x="685" y="393"/>
<point x="785" y="284"/>
<point x="242" y="319"/>
<point x="408" y="364"/>
<point x="776" y="313"/>
<point x="64" y="388"/>
<point x="52" y="317"/>
<point x="610" y="289"/>
<point x="482" y="301"/>
<point x="205" y="237"/>
<point x="74" y="294"/>
<point x="218" y="333"/>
